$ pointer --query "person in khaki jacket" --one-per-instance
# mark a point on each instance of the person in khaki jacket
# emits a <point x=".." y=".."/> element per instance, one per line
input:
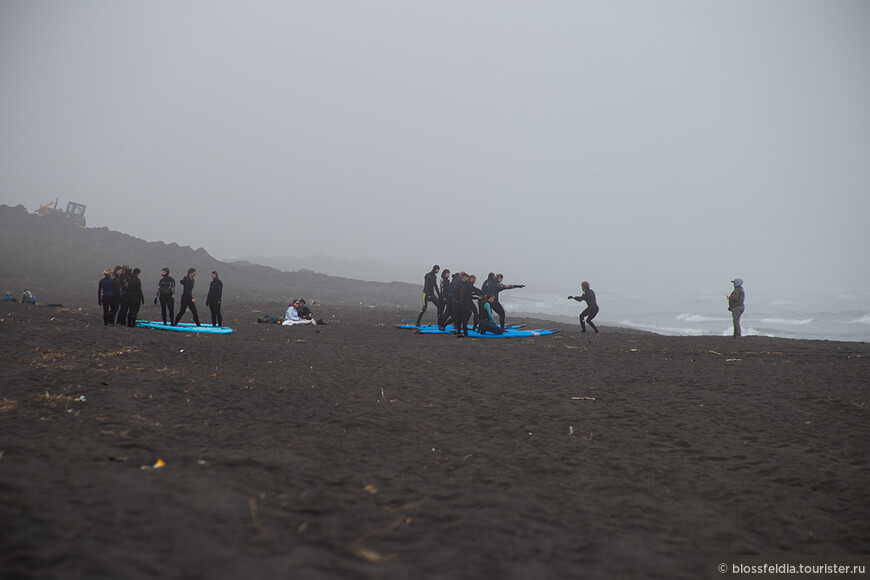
<point x="735" y="303"/>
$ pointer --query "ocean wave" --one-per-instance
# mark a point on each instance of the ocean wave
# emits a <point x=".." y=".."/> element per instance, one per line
<point x="787" y="321"/>
<point x="666" y="330"/>
<point x="701" y="318"/>
<point x="766" y="332"/>
<point x="863" y="320"/>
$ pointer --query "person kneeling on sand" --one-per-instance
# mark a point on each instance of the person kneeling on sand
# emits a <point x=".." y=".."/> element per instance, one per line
<point x="487" y="320"/>
<point x="291" y="317"/>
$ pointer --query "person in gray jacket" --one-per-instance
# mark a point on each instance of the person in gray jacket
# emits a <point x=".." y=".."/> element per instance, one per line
<point x="735" y="304"/>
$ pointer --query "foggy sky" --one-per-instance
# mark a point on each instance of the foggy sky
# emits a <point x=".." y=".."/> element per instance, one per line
<point x="639" y="145"/>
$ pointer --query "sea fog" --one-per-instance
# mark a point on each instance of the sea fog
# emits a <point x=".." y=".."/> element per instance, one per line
<point x="844" y="317"/>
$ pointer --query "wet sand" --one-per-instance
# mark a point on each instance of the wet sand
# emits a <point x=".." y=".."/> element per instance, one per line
<point x="358" y="450"/>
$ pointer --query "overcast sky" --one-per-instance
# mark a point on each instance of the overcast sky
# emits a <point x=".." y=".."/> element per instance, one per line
<point x="640" y="145"/>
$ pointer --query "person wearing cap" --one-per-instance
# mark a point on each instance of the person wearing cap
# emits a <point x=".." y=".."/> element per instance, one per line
<point x="107" y="297"/>
<point x="735" y="304"/>
<point x="213" y="300"/>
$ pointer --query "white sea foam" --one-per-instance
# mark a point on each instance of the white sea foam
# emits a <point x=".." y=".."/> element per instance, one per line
<point x="667" y="330"/>
<point x="700" y="315"/>
<point x="701" y="318"/>
<point x="787" y="321"/>
<point x="756" y="332"/>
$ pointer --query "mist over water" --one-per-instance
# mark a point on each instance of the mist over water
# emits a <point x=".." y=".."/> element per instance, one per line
<point x="634" y="144"/>
<point x="834" y="317"/>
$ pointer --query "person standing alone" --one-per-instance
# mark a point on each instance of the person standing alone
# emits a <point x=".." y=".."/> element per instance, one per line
<point x="591" y="306"/>
<point x="213" y="300"/>
<point x="187" y="299"/>
<point x="735" y="304"/>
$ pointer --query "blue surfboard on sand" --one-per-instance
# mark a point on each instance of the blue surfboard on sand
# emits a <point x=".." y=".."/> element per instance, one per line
<point x="184" y="327"/>
<point x="515" y="331"/>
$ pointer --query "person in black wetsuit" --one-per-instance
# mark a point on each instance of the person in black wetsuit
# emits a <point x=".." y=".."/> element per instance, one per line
<point x="464" y="304"/>
<point x="187" y="299"/>
<point x="444" y="304"/>
<point x="124" y="302"/>
<point x="107" y="296"/>
<point x="494" y="288"/>
<point x="486" y="289"/>
<point x="591" y="306"/>
<point x="430" y="293"/>
<point x="474" y="309"/>
<point x="135" y="298"/>
<point x="213" y="300"/>
<point x="455" y="310"/>
<point x="449" y="314"/>
<point x="166" y="295"/>
<point x="116" y="281"/>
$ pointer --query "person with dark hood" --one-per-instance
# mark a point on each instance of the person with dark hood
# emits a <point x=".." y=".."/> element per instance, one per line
<point x="490" y="279"/>
<point x="107" y="297"/>
<point x="591" y="306"/>
<point x="187" y="299"/>
<point x="166" y="296"/>
<point x="430" y="293"/>
<point x="213" y="300"/>
<point x="135" y="298"/>
<point x="735" y="304"/>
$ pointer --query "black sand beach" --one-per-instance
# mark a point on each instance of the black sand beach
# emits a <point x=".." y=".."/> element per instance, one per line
<point x="358" y="450"/>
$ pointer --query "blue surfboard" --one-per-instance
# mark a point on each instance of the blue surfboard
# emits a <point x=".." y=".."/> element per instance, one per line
<point x="184" y="327"/>
<point x="448" y="329"/>
<point x="515" y="331"/>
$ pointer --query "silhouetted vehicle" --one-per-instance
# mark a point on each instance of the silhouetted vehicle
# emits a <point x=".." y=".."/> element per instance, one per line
<point x="74" y="211"/>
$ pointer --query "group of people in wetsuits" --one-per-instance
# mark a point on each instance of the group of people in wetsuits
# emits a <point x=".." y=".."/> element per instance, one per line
<point x="120" y="294"/>
<point x="454" y="298"/>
